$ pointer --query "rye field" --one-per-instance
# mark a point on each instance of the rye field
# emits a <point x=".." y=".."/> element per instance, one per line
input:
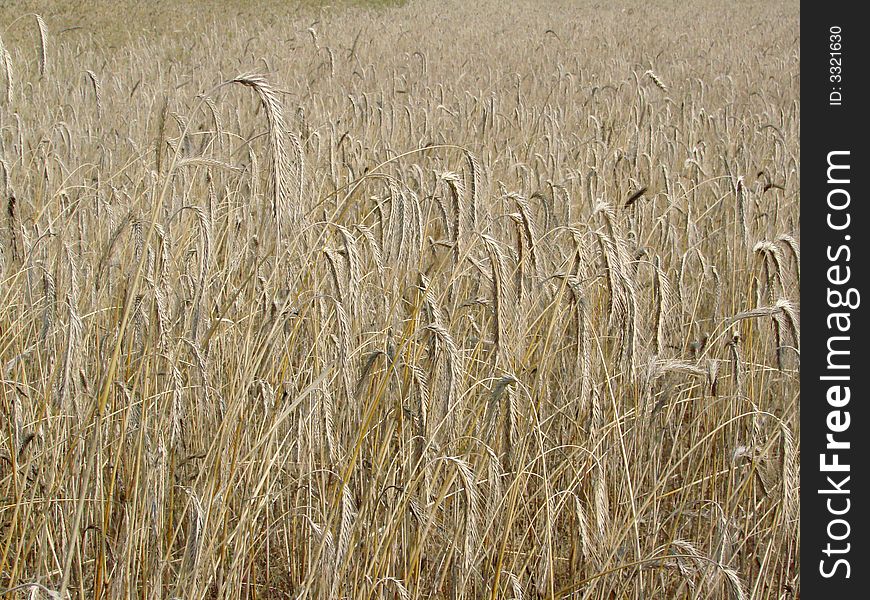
<point x="399" y="300"/>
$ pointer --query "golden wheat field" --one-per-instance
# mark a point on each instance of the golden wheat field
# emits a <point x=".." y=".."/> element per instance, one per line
<point x="399" y="300"/>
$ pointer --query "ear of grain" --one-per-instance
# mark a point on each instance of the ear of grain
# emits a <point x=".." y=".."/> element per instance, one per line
<point x="474" y="189"/>
<point x="790" y="477"/>
<point x="281" y="208"/>
<point x="656" y="80"/>
<point x="7" y="69"/>
<point x="98" y="89"/>
<point x="43" y="44"/>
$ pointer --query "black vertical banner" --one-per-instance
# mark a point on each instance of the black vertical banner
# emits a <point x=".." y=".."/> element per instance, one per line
<point x="835" y="424"/>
